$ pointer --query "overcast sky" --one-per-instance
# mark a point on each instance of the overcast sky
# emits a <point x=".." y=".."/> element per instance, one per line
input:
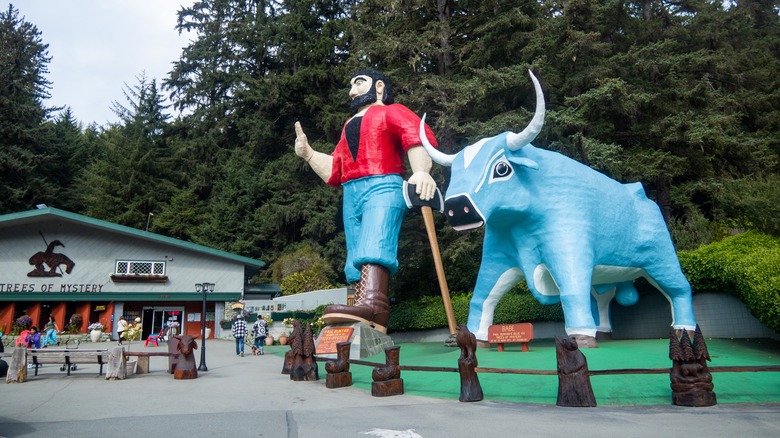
<point x="97" y="46"/>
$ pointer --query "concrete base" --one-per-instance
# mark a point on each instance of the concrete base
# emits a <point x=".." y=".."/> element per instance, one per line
<point x="365" y="340"/>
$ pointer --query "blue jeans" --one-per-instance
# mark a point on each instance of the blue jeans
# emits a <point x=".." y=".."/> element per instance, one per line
<point x="259" y="342"/>
<point x="374" y="208"/>
<point x="50" y="338"/>
<point x="240" y="345"/>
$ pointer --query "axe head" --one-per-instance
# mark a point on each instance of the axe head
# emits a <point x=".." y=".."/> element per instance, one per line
<point x="413" y="199"/>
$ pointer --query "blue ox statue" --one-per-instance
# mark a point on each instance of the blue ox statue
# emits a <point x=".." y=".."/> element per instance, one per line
<point x="578" y="236"/>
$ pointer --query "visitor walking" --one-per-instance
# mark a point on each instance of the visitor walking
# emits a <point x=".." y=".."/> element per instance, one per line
<point x="239" y="332"/>
<point x="121" y="326"/>
<point x="260" y="332"/>
<point x="50" y="330"/>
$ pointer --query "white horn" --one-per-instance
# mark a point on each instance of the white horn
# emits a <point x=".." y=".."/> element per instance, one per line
<point x="436" y="155"/>
<point x="517" y="141"/>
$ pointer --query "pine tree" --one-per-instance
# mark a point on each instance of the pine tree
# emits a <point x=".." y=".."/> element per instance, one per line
<point x="133" y="175"/>
<point x="25" y="139"/>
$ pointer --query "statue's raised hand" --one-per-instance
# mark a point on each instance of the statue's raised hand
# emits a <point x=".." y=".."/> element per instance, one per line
<point x="302" y="147"/>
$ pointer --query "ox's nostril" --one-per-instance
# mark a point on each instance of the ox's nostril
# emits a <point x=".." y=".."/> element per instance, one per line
<point x="465" y="209"/>
<point x="451" y="213"/>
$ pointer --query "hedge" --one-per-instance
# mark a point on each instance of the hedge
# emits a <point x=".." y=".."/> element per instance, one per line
<point x="428" y="312"/>
<point x="746" y="265"/>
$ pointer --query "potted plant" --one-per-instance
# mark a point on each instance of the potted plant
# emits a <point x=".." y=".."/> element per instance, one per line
<point x="317" y="326"/>
<point x="22" y="323"/>
<point x="209" y="328"/>
<point x="269" y="340"/>
<point x="74" y="324"/>
<point x="288" y="322"/>
<point x="95" y="331"/>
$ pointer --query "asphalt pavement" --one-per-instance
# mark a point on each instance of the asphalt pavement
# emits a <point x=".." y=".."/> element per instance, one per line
<point x="249" y="397"/>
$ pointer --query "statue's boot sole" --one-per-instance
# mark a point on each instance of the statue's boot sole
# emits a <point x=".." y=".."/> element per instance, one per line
<point x="333" y="318"/>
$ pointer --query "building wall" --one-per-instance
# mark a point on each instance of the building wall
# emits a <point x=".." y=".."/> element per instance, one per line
<point x="95" y="253"/>
<point x="719" y="315"/>
<point x="89" y="289"/>
<point x="310" y="300"/>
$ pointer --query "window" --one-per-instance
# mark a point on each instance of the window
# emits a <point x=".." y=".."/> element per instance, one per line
<point x="139" y="270"/>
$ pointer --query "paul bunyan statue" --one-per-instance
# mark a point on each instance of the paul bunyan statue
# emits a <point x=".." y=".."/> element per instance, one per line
<point x="368" y="163"/>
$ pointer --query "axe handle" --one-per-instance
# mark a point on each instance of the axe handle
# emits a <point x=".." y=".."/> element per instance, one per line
<point x="427" y="214"/>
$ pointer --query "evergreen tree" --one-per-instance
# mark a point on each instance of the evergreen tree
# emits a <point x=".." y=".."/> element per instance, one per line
<point x="133" y="175"/>
<point x="26" y="147"/>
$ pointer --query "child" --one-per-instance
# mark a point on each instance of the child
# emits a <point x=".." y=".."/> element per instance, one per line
<point x="34" y="338"/>
<point x="260" y="332"/>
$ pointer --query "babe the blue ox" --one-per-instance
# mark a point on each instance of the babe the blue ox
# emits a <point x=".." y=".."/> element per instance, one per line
<point x="578" y="236"/>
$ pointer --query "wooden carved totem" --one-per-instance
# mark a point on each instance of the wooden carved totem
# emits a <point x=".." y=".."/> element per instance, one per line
<point x="691" y="379"/>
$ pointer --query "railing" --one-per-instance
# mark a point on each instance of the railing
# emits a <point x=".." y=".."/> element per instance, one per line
<point x="691" y="378"/>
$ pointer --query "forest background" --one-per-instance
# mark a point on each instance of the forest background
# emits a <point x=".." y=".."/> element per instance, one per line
<point x="682" y="96"/>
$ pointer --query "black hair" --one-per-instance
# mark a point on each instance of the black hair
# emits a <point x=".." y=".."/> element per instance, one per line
<point x="387" y="95"/>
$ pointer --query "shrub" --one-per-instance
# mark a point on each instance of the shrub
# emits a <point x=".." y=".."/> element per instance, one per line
<point x="24" y="322"/>
<point x="746" y="265"/>
<point x="300" y="260"/>
<point x="304" y="281"/>
<point x="74" y="324"/>
<point x="425" y="313"/>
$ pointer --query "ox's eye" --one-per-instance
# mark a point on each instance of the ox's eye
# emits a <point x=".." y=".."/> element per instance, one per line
<point x="502" y="170"/>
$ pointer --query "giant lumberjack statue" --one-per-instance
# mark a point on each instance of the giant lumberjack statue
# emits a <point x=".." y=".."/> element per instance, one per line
<point x="368" y="163"/>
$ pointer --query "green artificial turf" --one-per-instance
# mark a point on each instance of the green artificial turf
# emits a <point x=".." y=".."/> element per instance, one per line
<point x="629" y="389"/>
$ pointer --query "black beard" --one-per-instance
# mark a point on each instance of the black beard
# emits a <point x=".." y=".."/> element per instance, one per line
<point x="363" y="100"/>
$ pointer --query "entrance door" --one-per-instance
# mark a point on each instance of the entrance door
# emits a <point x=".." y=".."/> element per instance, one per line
<point x="155" y="318"/>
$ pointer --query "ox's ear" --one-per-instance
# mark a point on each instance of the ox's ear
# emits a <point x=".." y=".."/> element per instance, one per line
<point x="525" y="162"/>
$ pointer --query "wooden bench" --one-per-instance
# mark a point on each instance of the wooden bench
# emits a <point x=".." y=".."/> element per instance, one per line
<point x="67" y="358"/>
<point x="143" y="359"/>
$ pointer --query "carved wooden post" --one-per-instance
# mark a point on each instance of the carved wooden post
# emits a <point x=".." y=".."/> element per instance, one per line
<point x="117" y="364"/>
<point x="387" y="379"/>
<point x="296" y="347"/>
<point x="470" y="389"/>
<point x="339" y="375"/>
<point x="304" y="367"/>
<point x="574" y="388"/>
<point x="186" y="368"/>
<point x="691" y="379"/>
<point x="17" y="369"/>
<point x="173" y="349"/>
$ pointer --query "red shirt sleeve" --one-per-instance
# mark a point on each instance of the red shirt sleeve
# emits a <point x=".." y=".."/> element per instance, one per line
<point x="387" y="132"/>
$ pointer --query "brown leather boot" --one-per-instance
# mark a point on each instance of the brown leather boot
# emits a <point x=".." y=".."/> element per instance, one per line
<point x="371" y="304"/>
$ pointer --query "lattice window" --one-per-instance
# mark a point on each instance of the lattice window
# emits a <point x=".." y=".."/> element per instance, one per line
<point x="139" y="267"/>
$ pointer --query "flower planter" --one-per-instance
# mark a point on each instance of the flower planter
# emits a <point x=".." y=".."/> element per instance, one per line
<point x="269" y="340"/>
<point x="208" y="332"/>
<point x="282" y="340"/>
<point x="94" y="335"/>
<point x="131" y="367"/>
